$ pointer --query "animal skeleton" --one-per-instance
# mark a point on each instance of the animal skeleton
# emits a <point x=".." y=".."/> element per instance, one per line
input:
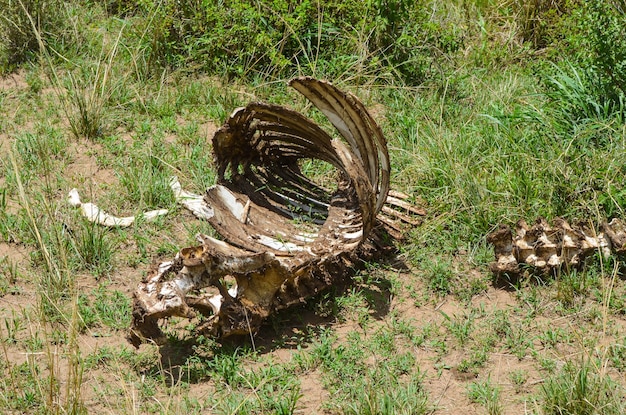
<point x="284" y="237"/>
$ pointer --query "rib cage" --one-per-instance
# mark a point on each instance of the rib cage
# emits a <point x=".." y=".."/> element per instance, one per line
<point x="285" y="238"/>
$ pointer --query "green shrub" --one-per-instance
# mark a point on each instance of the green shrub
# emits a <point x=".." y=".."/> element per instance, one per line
<point x="279" y="37"/>
<point x="586" y="84"/>
<point x="602" y="45"/>
<point x="580" y="95"/>
<point x="595" y="40"/>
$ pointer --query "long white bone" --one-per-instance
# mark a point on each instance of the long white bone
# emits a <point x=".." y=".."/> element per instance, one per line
<point x="193" y="202"/>
<point x="94" y="214"/>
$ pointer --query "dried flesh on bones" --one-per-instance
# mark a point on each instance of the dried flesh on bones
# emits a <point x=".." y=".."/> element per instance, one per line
<point x="284" y="237"/>
<point x="547" y="248"/>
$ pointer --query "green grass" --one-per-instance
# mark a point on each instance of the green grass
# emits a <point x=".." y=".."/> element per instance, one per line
<point x="485" y="394"/>
<point x="492" y="112"/>
<point x="581" y="388"/>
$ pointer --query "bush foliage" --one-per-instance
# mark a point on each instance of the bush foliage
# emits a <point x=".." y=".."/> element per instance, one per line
<point x="278" y="37"/>
<point x="411" y="41"/>
<point x="587" y="78"/>
<point x="599" y="47"/>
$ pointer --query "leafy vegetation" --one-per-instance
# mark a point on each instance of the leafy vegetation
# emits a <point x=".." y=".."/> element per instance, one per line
<point x="494" y="111"/>
<point x="28" y="25"/>
<point x="275" y="38"/>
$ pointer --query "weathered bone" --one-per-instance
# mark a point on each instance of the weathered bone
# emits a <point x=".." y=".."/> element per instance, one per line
<point x="94" y="214"/>
<point x="285" y="238"/>
<point x="195" y="203"/>
<point x="547" y="248"/>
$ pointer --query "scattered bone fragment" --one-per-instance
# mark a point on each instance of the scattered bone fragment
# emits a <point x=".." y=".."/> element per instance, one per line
<point x="94" y="214"/>
<point x="547" y="248"/>
<point x="284" y="238"/>
<point x="193" y="202"/>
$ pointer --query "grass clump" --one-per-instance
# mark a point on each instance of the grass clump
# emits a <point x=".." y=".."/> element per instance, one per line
<point x="90" y="91"/>
<point x="487" y="395"/>
<point x="270" y="388"/>
<point x="407" y="398"/>
<point x="392" y="384"/>
<point x="580" y="388"/>
<point x="39" y="151"/>
<point x="147" y="183"/>
<point x="104" y="307"/>
<point x="600" y="33"/>
<point x="23" y="386"/>
<point x="94" y="248"/>
<point x="24" y="24"/>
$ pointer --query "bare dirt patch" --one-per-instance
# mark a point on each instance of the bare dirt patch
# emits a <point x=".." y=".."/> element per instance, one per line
<point x="5" y="144"/>
<point x="13" y="81"/>
<point x="84" y="167"/>
<point x="15" y="253"/>
<point x="313" y="394"/>
<point x="208" y="130"/>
